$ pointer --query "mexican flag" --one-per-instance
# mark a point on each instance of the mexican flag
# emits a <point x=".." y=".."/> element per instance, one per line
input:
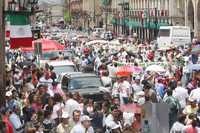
<point x="20" y="31"/>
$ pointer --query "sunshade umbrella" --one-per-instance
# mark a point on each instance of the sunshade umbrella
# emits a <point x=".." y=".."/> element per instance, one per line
<point x="122" y="74"/>
<point x="132" y="108"/>
<point x="155" y="68"/>
<point x="130" y="69"/>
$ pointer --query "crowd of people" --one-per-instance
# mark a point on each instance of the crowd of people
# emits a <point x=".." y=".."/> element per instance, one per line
<point x="35" y="103"/>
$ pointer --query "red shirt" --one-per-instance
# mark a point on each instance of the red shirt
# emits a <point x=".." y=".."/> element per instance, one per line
<point x="191" y="130"/>
<point x="9" y="127"/>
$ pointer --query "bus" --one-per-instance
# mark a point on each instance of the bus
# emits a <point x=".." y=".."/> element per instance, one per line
<point x="173" y="36"/>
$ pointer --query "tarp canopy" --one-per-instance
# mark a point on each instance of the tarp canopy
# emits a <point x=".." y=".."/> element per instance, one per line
<point x="47" y="45"/>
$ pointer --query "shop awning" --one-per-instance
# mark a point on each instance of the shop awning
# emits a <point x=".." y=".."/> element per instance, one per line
<point x="153" y="25"/>
<point x="162" y="24"/>
<point x="134" y="24"/>
<point x="114" y="21"/>
<point x="124" y="21"/>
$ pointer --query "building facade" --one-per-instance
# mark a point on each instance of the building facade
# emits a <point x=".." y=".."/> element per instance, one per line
<point x="192" y="16"/>
<point x="138" y="16"/>
<point x="144" y="17"/>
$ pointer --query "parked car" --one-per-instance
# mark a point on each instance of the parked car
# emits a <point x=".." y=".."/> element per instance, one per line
<point x="87" y="84"/>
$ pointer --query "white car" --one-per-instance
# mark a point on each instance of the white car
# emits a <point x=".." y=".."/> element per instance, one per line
<point x="63" y="66"/>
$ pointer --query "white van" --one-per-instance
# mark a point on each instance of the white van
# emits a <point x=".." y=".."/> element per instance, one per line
<point x="173" y="35"/>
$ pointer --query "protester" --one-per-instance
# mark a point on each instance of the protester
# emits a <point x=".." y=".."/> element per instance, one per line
<point x="64" y="126"/>
<point x="84" y="126"/>
<point x="36" y="102"/>
<point x="174" y="107"/>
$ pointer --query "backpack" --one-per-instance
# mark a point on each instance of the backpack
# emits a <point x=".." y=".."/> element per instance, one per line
<point x="173" y="104"/>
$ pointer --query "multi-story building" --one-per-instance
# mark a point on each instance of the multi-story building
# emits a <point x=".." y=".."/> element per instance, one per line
<point x="92" y="13"/>
<point x="75" y="8"/>
<point x="144" y="17"/>
<point x="192" y="16"/>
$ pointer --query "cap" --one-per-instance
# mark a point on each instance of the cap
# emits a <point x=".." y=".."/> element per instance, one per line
<point x="8" y="93"/>
<point x="25" y="66"/>
<point x="85" y="118"/>
<point x="192" y="100"/>
<point x="137" y="78"/>
<point x="65" y="115"/>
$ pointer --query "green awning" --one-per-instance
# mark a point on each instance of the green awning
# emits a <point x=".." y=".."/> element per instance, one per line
<point x="150" y="25"/>
<point x="162" y="24"/>
<point x="124" y="21"/>
<point x="105" y="2"/>
<point x="134" y="24"/>
<point x="153" y="25"/>
<point x="114" y="21"/>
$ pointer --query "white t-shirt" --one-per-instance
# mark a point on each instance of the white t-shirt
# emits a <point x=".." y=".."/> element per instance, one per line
<point x="57" y="108"/>
<point x="195" y="94"/>
<point x="80" y="129"/>
<point x="137" y="88"/>
<point x="178" y="128"/>
<point x="46" y="81"/>
<point x="106" y="80"/>
<point x="124" y="89"/>
<point x="181" y="94"/>
<point x="70" y="106"/>
<point x="115" y="89"/>
<point x="128" y="118"/>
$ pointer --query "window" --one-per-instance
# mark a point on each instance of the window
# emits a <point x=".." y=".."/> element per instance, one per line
<point x="164" y="33"/>
<point x="64" y="83"/>
<point x="84" y="82"/>
<point x="65" y="68"/>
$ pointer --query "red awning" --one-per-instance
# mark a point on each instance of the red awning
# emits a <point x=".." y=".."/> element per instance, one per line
<point x="47" y="45"/>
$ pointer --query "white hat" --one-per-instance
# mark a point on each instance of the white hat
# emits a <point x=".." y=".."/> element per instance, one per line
<point x="191" y="99"/>
<point x="137" y="78"/>
<point x="8" y="93"/>
<point x="65" y="115"/>
<point x="85" y="118"/>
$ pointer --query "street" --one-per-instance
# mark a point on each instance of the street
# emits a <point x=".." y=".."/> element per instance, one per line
<point x="65" y="73"/>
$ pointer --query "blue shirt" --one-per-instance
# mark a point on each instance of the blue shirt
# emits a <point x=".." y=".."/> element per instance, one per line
<point x="160" y="89"/>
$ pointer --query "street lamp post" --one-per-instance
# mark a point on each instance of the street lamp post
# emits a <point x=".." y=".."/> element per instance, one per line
<point x="156" y="23"/>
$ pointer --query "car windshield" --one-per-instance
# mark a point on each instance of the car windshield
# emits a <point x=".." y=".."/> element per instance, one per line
<point x="164" y="33"/>
<point x="50" y="55"/>
<point x="84" y="82"/>
<point x="62" y="69"/>
<point x="54" y="54"/>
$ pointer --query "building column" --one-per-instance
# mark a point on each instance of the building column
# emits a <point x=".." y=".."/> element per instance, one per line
<point x="186" y="12"/>
<point x="195" y="18"/>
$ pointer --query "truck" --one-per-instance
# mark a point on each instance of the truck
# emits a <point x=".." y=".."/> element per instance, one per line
<point x="173" y="36"/>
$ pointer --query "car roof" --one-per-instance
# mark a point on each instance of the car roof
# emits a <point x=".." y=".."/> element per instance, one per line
<point x="61" y="63"/>
<point x="79" y="74"/>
